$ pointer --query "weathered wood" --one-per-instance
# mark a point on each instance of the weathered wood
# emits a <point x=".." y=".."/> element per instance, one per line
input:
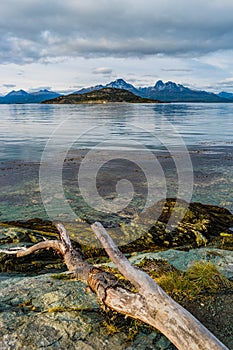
<point x="152" y="305"/>
<point x="22" y="251"/>
<point x="149" y="304"/>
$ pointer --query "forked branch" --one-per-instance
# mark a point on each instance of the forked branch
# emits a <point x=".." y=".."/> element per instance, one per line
<point x="150" y="304"/>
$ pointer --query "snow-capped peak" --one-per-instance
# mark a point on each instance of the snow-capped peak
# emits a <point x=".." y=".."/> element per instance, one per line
<point x="169" y="85"/>
<point x="120" y="84"/>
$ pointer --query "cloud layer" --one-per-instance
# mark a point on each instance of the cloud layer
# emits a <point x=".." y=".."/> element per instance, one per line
<point x="38" y="31"/>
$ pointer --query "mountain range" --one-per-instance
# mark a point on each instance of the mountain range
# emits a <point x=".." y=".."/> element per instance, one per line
<point x="22" y="96"/>
<point x="165" y="92"/>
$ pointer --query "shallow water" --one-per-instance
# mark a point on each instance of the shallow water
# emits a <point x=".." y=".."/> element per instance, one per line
<point x="42" y="147"/>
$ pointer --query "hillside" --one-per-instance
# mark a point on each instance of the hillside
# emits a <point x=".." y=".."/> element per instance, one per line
<point x="105" y="95"/>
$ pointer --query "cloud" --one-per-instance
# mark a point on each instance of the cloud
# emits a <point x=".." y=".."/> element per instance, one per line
<point x="9" y="86"/>
<point x="176" y="70"/>
<point x="46" y="32"/>
<point x="226" y="84"/>
<point x="103" y="71"/>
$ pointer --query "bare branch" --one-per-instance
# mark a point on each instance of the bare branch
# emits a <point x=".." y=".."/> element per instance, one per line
<point x="152" y="305"/>
<point x="14" y="250"/>
<point x="23" y="251"/>
<point x="137" y="277"/>
<point x="64" y="236"/>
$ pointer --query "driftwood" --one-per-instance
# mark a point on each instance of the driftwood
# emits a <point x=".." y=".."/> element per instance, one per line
<point x="149" y="304"/>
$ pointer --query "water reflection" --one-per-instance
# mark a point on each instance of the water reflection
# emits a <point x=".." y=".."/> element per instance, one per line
<point x="26" y="129"/>
<point x="30" y="126"/>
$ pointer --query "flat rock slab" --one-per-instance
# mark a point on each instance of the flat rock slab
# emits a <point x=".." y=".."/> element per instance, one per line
<point x="43" y="312"/>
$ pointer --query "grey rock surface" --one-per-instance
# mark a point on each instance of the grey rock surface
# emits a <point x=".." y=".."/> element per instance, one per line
<point x="43" y="312"/>
<point x="181" y="260"/>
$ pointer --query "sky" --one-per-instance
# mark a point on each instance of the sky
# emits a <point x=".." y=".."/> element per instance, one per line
<point x="67" y="45"/>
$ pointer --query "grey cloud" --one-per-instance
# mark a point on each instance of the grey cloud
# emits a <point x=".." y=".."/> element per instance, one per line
<point x="176" y="70"/>
<point x="9" y="86"/>
<point x="225" y="84"/>
<point x="43" y="31"/>
<point x="103" y="71"/>
<point x="18" y="50"/>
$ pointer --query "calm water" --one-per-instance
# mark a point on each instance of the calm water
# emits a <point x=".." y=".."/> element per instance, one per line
<point x="188" y="139"/>
<point x="25" y="129"/>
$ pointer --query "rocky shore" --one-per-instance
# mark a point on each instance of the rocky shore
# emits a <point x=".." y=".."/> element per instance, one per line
<point x="40" y="307"/>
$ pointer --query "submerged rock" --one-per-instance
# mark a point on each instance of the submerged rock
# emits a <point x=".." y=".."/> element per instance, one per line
<point x="193" y="225"/>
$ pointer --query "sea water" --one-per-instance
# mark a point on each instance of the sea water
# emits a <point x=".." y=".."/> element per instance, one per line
<point x="178" y="149"/>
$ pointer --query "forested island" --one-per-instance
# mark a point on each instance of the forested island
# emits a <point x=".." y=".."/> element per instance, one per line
<point x="105" y="95"/>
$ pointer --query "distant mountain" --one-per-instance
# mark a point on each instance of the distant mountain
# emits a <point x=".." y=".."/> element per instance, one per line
<point x="104" y="95"/>
<point x="117" y="84"/>
<point x="173" y="92"/>
<point x="167" y="92"/>
<point x="43" y="95"/>
<point x="89" y="89"/>
<point x="21" y="96"/>
<point x="227" y="95"/>
<point x="122" y="84"/>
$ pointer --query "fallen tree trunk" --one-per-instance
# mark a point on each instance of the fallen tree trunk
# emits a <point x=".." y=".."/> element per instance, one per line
<point x="149" y="304"/>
